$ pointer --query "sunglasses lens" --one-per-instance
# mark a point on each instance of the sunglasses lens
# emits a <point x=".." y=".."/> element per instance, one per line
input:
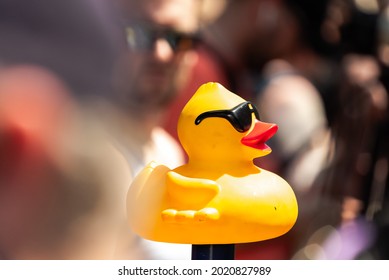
<point x="243" y="116"/>
<point x="173" y="39"/>
<point x="141" y="37"/>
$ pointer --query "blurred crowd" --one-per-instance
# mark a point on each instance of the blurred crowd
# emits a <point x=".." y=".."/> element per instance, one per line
<point x="91" y="91"/>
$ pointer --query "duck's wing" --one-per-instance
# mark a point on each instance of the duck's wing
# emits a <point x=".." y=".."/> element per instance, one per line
<point x="190" y="193"/>
<point x="146" y="192"/>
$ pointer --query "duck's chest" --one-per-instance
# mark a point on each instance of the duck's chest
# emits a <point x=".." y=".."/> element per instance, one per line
<point x="250" y="185"/>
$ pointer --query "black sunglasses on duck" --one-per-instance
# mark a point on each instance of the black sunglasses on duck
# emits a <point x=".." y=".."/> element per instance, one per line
<point x="144" y="36"/>
<point x="239" y="116"/>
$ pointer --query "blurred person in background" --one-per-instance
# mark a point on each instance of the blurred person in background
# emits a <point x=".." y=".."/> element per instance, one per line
<point x="156" y="65"/>
<point x="339" y="177"/>
<point x="62" y="183"/>
<point x="160" y="36"/>
<point x="357" y="178"/>
<point x="295" y="76"/>
<point x="379" y="199"/>
<point x="295" y="73"/>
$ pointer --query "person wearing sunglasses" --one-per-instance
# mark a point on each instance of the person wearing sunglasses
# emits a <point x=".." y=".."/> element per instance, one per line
<point x="159" y="38"/>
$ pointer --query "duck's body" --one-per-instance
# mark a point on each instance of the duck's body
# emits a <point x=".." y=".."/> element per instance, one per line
<point x="219" y="196"/>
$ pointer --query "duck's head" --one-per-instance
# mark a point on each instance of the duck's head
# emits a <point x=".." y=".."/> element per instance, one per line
<point x="218" y="125"/>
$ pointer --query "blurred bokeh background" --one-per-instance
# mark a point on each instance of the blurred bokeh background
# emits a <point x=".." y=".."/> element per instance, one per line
<point x="91" y="91"/>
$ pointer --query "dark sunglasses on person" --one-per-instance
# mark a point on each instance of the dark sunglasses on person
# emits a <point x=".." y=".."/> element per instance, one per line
<point x="142" y="36"/>
<point x="240" y="116"/>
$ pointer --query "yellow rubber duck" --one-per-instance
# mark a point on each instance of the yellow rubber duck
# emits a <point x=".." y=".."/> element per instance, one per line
<point x="219" y="196"/>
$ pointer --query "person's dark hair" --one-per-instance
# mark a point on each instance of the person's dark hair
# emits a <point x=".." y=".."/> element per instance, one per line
<point x="311" y="15"/>
<point x="359" y="33"/>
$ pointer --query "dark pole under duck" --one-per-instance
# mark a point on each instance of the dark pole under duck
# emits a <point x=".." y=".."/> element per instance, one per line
<point x="213" y="252"/>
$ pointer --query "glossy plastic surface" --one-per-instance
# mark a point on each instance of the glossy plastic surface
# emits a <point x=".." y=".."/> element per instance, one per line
<point x="219" y="196"/>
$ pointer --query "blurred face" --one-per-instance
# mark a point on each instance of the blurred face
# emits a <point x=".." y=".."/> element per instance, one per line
<point x="273" y="31"/>
<point x="159" y="58"/>
<point x="260" y="29"/>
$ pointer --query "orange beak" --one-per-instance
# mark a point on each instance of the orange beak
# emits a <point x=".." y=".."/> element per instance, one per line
<point x="257" y="137"/>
